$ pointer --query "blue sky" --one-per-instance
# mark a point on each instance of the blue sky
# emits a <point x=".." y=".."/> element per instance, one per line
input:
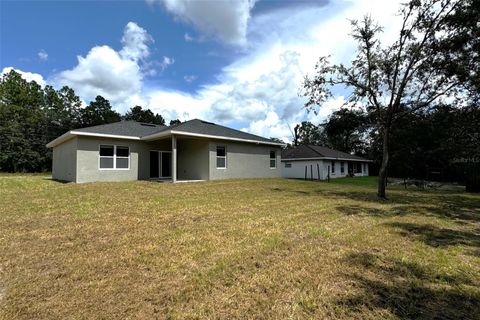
<point x="238" y="63"/>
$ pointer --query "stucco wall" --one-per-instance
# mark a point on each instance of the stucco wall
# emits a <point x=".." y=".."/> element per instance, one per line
<point x="244" y="160"/>
<point x="64" y="161"/>
<point x="192" y="159"/>
<point x="88" y="160"/>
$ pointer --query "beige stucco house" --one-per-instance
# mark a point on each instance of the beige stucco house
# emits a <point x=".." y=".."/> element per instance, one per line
<point x="192" y="150"/>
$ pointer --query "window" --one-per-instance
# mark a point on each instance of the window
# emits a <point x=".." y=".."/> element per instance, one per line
<point x="273" y="159"/>
<point x="221" y="158"/>
<point x="106" y="157"/>
<point x="359" y="167"/>
<point x="114" y="157"/>
<point x="333" y="166"/>
<point x="342" y="167"/>
<point x="288" y="165"/>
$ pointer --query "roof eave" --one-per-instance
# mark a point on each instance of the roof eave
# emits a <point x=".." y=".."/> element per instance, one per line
<point x="200" y="135"/>
<point x="64" y="137"/>
<point x="72" y="133"/>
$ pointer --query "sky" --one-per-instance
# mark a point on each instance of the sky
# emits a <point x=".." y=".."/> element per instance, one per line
<point x="239" y="63"/>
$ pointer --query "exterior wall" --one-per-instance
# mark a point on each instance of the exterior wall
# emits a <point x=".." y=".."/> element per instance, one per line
<point x="88" y="160"/>
<point x="77" y="160"/>
<point x="244" y="160"/>
<point x="65" y="161"/>
<point x="297" y="169"/>
<point x="338" y="169"/>
<point x="192" y="159"/>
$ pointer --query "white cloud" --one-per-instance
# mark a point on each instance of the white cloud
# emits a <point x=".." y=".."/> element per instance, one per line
<point x="328" y="107"/>
<point x="115" y="75"/>
<point x="166" y="62"/>
<point x="103" y="71"/>
<point x="42" y="55"/>
<point x="135" y="42"/>
<point x="190" y="78"/>
<point x="226" y="20"/>
<point x="270" y="126"/>
<point x="29" y="76"/>
<point x="187" y="37"/>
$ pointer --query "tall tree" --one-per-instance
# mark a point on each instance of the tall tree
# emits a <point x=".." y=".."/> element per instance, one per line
<point x="62" y="110"/>
<point x="393" y="81"/>
<point x="345" y="129"/>
<point x="144" y="115"/>
<point x="99" y="112"/>
<point x="308" y="133"/>
<point x="22" y="130"/>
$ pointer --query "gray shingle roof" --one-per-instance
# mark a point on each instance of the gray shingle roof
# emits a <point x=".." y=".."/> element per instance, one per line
<point x="208" y="128"/>
<point x="124" y="128"/>
<point x="195" y="126"/>
<point x="311" y="151"/>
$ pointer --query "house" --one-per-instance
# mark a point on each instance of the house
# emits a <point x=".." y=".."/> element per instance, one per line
<point x="315" y="162"/>
<point x="192" y="150"/>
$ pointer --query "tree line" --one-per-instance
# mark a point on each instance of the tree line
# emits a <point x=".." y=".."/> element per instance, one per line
<point x="434" y="58"/>
<point x="32" y="116"/>
<point x="435" y="144"/>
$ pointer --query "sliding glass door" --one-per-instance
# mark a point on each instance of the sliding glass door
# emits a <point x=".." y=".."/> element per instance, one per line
<point x="160" y="164"/>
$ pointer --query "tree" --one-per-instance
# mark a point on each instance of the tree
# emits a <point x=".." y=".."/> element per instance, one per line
<point x="393" y="81"/>
<point x="308" y="133"/>
<point x="175" y="122"/>
<point x="462" y="46"/>
<point x="62" y="110"/>
<point x="138" y="114"/>
<point x="22" y="130"/>
<point x="345" y="129"/>
<point x="99" y="112"/>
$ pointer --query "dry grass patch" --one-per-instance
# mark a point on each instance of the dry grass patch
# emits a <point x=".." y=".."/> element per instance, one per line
<point x="264" y="249"/>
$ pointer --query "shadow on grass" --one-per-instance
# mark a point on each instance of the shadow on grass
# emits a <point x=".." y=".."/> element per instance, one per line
<point x="374" y="212"/>
<point x="409" y="290"/>
<point x="57" y="180"/>
<point x="460" y="209"/>
<point x="437" y="237"/>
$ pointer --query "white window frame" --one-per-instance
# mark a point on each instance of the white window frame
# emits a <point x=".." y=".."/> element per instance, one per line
<point x="114" y="157"/>
<point x="270" y="159"/>
<point x="342" y="167"/>
<point x="288" y="165"/>
<point x="224" y="157"/>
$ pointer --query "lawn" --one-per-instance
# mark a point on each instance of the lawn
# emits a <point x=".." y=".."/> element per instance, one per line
<point x="264" y="249"/>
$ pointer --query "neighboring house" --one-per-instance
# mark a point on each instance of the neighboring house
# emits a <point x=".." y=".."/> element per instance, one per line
<point x="315" y="162"/>
<point x="193" y="150"/>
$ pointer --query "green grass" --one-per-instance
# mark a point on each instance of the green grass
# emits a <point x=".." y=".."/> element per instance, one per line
<point x="265" y="249"/>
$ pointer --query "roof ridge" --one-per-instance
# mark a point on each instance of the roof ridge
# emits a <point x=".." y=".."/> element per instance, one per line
<point x="170" y="127"/>
<point x="310" y="147"/>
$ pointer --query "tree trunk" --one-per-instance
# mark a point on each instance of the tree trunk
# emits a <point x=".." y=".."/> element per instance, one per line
<point x="382" y="175"/>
